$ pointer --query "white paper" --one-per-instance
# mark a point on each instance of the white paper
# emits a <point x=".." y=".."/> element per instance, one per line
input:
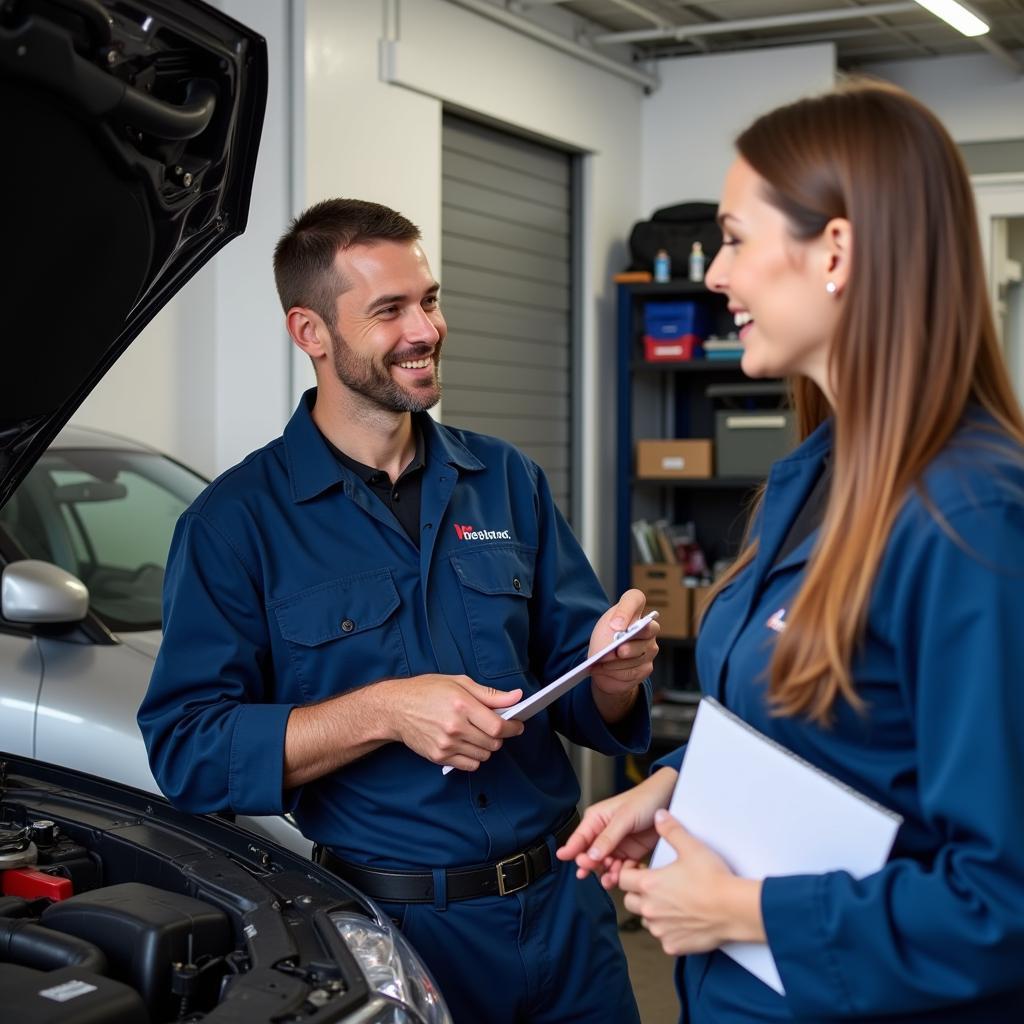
<point x="530" y="706"/>
<point x="767" y="812"/>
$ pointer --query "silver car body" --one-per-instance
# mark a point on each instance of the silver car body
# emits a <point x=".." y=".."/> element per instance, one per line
<point x="73" y="703"/>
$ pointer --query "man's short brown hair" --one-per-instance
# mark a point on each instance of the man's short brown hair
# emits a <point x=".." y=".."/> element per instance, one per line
<point x="304" y="267"/>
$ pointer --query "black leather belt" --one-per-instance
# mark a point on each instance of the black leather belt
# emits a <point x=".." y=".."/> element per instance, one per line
<point x="502" y="878"/>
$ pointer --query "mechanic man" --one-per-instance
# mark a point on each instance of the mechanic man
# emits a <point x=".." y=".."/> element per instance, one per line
<point x="351" y="606"/>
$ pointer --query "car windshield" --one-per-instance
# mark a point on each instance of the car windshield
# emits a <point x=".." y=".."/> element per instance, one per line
<point x="107" y="517"/>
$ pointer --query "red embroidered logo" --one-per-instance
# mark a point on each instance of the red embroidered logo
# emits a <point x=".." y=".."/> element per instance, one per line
<point x="472" y="533"/>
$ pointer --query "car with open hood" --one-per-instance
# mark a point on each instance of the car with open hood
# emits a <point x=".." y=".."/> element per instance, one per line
<point x="132" y="128"/>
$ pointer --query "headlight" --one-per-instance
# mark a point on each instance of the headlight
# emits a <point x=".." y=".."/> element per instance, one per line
<point x="392" y="969"/>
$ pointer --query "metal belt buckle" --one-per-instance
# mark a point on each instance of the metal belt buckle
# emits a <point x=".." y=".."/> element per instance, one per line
<point x="502" y="865"/>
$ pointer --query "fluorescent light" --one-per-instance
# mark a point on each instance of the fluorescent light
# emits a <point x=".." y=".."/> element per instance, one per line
<point x="957" y="15"/>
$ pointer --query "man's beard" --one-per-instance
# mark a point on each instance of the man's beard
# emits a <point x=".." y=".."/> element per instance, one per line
<point x="361" y="375"/>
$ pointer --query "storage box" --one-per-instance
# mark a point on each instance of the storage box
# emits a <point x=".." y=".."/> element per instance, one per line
<point x="662" y="584"/>
<point x="658" y="459"/>
<point x="747" y="443"/>
<point x="674" y="350"/>
<point x="752" y="427"/>
<point x="675" y="319"/>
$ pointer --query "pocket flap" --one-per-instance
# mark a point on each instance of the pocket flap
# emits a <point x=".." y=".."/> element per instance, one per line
<point x="501" y="569"/>
<point x="339" y="609"/>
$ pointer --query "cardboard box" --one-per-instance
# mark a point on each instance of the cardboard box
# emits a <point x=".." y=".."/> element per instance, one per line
<point x="662" y="584"/>
<point x="670" y="460"/>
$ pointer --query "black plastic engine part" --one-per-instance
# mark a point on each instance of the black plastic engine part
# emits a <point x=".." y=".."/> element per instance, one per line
<point x="14" y="906"/>
<point x="143" y="931"/>
<point x="31" y="945"/>
<point x="71" y="995"/>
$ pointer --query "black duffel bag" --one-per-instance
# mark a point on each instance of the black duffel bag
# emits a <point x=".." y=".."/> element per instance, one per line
<point x="675" y="229"/>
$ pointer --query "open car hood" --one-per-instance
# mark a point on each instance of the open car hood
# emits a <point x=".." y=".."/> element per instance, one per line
<point x="131" y="129"/>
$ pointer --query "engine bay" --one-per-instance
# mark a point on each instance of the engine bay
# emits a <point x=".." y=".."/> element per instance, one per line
<point x="116" y="909"/>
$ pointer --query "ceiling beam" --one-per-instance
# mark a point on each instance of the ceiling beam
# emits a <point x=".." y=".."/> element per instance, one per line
<point x="1000" y="53"/>
<point x="900" y="33"/>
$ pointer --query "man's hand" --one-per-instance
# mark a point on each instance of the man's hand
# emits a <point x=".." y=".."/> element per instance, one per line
<point x="449" y="719"/>
<point x="615" y="679"/>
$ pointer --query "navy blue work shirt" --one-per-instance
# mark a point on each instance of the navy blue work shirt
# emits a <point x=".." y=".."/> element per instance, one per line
<point x="938" y="933"/>
<point x="289" y="582"/>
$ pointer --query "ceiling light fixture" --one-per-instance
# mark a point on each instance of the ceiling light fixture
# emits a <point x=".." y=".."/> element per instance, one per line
<point x="957" y="15"/>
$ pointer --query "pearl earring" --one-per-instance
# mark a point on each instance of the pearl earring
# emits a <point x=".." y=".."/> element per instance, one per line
<point x="830" y="287"/>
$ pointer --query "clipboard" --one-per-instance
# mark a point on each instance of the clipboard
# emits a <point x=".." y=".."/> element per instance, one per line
<point x="766" y="811"/>
<point x="537" y="702"/>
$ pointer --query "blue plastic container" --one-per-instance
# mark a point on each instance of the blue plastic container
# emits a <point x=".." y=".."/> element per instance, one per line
<point x="667" y="320"/>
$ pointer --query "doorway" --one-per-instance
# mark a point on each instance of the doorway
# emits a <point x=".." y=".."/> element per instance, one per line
<point x="1000" y="200"/>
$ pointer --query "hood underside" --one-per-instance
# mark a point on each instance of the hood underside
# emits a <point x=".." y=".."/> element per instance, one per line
<point x="132" y="131"/>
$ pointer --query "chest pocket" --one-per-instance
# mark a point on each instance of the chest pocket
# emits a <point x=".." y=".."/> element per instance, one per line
<point x="344" y="633"/>
<point x="497" y="583"/>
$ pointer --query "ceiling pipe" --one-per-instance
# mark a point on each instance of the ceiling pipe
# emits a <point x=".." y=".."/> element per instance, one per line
<point x="553" y="39"/>
<point x="711" y="28"/>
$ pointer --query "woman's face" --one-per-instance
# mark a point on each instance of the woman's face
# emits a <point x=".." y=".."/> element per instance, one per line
<point x="776" y="285"/>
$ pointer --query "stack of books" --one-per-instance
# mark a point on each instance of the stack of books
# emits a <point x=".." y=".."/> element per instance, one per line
<point x="672" y="543"/>
<point x="722" y="348"/>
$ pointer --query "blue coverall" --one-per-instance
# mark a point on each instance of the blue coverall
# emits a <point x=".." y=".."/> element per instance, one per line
<point x="938" y="934"/>
<point x="289" y="582"/>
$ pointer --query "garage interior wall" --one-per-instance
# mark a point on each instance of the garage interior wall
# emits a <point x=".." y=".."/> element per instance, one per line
<point x="704" y="102"/>
<point x="357" y="90"/>
<point x="977" y="98"/>
<point x="214" y="375"/>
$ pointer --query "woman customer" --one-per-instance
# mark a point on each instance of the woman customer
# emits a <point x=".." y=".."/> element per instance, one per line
<point x="874" y="623"/>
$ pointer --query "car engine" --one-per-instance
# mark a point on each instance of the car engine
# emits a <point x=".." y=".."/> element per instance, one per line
<point x="117" y="909"/>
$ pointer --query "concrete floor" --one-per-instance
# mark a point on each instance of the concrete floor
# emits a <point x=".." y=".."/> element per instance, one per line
<point x="650" y="971"/>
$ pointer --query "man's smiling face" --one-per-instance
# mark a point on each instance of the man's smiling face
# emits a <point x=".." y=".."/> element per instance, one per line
<point x="388" y="328"/>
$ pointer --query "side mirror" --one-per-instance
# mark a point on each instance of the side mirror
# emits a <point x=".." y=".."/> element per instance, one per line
<point x="35" y="592"/>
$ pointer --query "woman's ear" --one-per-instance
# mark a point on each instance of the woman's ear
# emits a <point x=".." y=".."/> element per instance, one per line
<point x="308" y="331"/>
<point x="837" y="240"/>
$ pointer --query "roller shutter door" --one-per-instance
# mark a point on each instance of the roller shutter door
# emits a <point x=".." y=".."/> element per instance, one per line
<point x="506" y="287"/>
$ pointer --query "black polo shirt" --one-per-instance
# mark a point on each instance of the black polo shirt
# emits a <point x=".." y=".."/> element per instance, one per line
<point x="402" y="496"/>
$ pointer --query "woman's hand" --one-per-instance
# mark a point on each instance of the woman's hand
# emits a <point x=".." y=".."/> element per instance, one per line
<point x="618" y="829"/>
<point x="696" y="903"/>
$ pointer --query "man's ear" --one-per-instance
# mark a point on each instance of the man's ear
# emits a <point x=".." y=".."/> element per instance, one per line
<point x="308" y="331"/>
<point x="837" y="240"/>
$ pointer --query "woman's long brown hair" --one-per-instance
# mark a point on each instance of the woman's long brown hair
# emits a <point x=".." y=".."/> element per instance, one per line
<point x="914" y="347"/>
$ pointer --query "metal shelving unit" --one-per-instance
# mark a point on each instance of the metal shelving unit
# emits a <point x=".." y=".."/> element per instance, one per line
<point x="666" y="399"/>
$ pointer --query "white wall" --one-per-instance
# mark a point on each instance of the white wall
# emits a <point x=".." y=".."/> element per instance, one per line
<point x="704" y="102"/>
<point x="976" y="96"/>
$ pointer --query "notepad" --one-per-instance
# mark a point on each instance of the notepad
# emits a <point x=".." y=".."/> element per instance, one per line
<point x="530" y="706"/>
<point x="767" y="812"/>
